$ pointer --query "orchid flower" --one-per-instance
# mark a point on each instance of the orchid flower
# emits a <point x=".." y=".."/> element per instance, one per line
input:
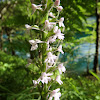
<point x="34" y="44"/>
<point x="50" y="58"/>
<point x="34" y="7"/>
<point x="51" y="39"/>
<point x="61" y="22"/>
<point x="56" y="94"/>
<point x="59" y="80"/>
<point x="49" y="25"/>
<point x="61" y="68"/>
<point x="59" y="35"/>
<point x="35" y="82"/>
<point x="28" y="26"/>
<point x="45" y="77"/>
<point x="60" y="49"/>
<point x="55" y="29"/>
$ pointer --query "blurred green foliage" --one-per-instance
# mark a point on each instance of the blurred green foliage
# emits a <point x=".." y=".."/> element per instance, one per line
<point x="81" y="88"/>
<point x="15" y="76"/>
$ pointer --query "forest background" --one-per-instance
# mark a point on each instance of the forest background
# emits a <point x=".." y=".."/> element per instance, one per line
<point x="82" y="27"/>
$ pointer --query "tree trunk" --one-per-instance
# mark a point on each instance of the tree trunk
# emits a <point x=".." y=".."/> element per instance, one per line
<point x="96" y="64"/>
<point x="31" y="55"/>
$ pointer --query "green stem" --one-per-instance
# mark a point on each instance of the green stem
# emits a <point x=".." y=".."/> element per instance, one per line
<point x="43" y="52"/>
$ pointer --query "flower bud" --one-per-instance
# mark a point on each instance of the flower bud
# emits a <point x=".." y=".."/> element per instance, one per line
<point x="59" y="8"/>
<point x="51" y="15"/>
<point x="46" y="22"/>
<point x="57" y="2"/>
<point x="34" y="7"/>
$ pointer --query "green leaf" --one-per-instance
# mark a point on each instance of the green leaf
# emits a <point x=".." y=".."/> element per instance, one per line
<point x="97" y="77"/>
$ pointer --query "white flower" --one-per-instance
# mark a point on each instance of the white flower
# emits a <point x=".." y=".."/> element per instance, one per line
<point x="28" y="26"/>
<point x="57" y="3"/>
<point x="55" y="29"/>
<point x="51" y="15"/>
<point x="35" y="82"/>
<point x="34" y="7"/>
<point x="61" y="68"/>
<point x="49" y="25"/>
<point x="34" y="44"/>
<point x="56" y="94"/>
<point x="50" y="58"/>
<point x="59" y="8"/>
<point x="59" y="80"/>
<point x="61" y="22"/>
<point x="34" y="47"/>
<point x="45" y="78"/>
<point x="60" y="49"/>
<point x="51" y="39"/>
<point x="39" y="41"/>
<point x="59" y="35"/>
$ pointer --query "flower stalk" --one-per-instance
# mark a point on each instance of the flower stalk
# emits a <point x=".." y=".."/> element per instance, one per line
<point x="51" y="32"/>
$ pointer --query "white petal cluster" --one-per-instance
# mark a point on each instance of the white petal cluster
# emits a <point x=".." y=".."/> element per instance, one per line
<point x="34" y="44"/>
<point x="49" y="25"/>
<point x="59" y="35"/>
<point x="45" y="77"/>
<point x="35" y="82"/>
<point x="55" y="29"/>
<point x="52" y="39"/>
<point x="55" y="94"/>
<point x="50" y="58"/>
<point x="61" y="68"/>
<point x="34" y="7"/>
